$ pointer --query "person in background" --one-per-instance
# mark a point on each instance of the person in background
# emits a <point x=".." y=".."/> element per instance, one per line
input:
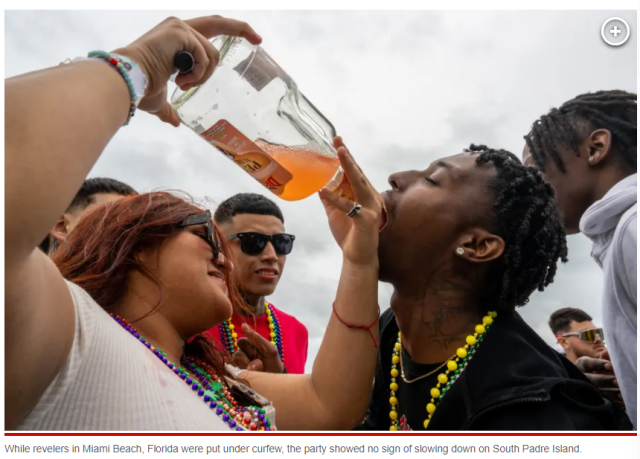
<point x="583" y="344"/>
<point x="577" y="334"/>
<point x="92" y="193"/>
<point x="254" y="226"/>
<point x="587" y="150"/>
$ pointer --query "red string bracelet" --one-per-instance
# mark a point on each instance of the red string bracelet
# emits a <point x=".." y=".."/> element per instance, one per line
<point x="361" y="327"/>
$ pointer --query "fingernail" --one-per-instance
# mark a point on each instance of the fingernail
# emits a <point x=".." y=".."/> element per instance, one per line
<point x="608" y="366"/>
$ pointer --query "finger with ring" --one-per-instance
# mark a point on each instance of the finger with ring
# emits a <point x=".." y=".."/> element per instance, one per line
<point x="355" y="211"/>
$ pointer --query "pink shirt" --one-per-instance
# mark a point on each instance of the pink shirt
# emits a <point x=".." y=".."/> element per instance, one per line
<point x="295" y="336"/>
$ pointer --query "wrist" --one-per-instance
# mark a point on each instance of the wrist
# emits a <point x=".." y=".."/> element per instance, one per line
<point x="368" y="264"/>
<point x="129" y="70"/>
<point x="135" y="58"/>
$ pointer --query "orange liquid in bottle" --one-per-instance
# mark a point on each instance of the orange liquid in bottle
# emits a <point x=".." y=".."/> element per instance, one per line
<point x="311" y="170"/>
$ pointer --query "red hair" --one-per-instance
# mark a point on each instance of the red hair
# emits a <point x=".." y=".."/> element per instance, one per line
<point x="103" y="249"/>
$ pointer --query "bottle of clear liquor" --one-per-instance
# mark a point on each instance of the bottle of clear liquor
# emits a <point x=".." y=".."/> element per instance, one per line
<point x="254" y="113"/>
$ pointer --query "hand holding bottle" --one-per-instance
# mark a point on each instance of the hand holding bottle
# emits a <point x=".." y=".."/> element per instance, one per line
<point x="357" y="236"/>
<point x="154" y="52"/>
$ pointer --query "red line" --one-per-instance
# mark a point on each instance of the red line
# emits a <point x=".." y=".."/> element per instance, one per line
<point x="298" y="434"/>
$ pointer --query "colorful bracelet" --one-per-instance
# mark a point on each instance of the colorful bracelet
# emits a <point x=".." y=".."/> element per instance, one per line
<point x="361" y="327"/>
<point x="125" y="66"/>
<point x="134" y="77"/>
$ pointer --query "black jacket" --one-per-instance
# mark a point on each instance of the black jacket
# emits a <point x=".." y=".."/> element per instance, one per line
<point x="515" y="381"/>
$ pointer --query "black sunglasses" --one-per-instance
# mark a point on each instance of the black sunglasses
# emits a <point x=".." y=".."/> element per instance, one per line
<point x="212" y="234"/>
<point x="255" y="243"/>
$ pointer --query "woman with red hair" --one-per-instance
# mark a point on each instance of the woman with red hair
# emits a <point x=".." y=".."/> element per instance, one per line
<point x="101" y="337"/>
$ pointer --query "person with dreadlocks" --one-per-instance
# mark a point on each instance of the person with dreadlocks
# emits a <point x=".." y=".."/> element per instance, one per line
<point x="587" y="150"/>
<point x="465" y="242"/>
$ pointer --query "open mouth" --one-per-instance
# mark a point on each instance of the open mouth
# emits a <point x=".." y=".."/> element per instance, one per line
<point x="383" y="218"/>
<point x="386" y="207"/>
<point x="267" y="273"/>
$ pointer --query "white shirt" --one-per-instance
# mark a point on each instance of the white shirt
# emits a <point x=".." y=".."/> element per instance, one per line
<point x="111" y="381"/>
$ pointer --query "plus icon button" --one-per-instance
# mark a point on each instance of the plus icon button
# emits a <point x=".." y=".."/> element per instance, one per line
<point x="615" y="33"/>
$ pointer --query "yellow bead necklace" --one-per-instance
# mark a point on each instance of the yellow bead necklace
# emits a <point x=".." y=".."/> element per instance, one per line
<point x="229" y="337"/>
<point x="455" y="365"/>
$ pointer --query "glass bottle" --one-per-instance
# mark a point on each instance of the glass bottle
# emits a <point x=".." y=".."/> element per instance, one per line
<point x="254" y="113"/>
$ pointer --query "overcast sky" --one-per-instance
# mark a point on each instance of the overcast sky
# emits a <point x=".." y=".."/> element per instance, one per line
<point x="402" y="88"/>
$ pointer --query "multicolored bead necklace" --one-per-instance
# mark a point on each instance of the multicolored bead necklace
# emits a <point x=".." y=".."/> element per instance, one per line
<point x="210" y="387"/>
<point x="456" y="365"/>
<point x="229" y="337"/>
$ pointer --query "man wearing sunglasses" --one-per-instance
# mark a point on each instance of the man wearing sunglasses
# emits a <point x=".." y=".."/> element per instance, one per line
<point x="577" y="334"/>
<point x="583" y="344"/>
<point x="254" y="227"/>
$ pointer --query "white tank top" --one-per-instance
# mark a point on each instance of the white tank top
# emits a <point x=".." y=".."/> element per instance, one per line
<point x="111" y="381"/>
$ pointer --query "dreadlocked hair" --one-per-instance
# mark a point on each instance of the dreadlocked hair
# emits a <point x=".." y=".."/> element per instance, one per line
<point x="616" y="111"/>
<point x="526" y="217"/>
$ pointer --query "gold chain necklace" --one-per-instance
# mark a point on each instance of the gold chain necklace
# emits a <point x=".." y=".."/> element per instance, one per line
<point x="455" y="366"/>
<point x="402" y="374"/>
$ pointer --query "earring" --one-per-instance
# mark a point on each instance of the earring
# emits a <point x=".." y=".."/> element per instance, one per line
<point x="591" y="159"/>
<point x="460" y="251"/>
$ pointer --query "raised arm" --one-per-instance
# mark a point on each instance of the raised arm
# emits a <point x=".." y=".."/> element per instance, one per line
<point x="336" y="394"/>
<point x="57" y="123"/>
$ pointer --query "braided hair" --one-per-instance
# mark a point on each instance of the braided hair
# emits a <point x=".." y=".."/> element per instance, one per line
<point x="567" y="126"/>
<point x="526" y="217"/>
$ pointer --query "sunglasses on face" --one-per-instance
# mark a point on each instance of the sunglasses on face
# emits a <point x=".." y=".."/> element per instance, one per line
<point x="211" y="235"/>
<point x="588" y="336"/>
<point x="255" y="243"/>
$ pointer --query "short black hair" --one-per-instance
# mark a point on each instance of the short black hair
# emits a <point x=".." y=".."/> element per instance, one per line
<point x="560" y="321"/>
<point x="569" y="125"/>
<point x="525" y="215"/>
<point x="85" y="195"/>
<point x="246" y="203"/>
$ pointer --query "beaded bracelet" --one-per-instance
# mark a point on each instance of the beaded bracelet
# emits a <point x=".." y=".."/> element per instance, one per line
<point x="361" y="327"/>
<point x="124" y="66"/>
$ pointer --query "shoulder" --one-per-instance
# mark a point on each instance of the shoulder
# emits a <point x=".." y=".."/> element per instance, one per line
<point x="627" y="232"/>
<point x="626" y="243"/>
<point x="290" y="321"/>
<point x="81" y="299"/>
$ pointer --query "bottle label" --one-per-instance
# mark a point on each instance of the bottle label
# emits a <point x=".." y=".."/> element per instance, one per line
<point x="249" y="156"/>
<point x="258" y="69"/>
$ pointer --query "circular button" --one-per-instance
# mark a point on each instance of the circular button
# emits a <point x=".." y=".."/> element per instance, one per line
<point x="615" y="31"/>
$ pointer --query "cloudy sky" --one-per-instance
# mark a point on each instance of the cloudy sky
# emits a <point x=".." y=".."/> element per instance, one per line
<point x="402" y="88"/>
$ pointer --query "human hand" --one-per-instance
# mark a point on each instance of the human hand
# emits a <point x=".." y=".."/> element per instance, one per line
<point x="255" y="353"/>
<point x="155" y="51"/>
<point x="357" y="236"/>
<point x="600" y="372"/>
